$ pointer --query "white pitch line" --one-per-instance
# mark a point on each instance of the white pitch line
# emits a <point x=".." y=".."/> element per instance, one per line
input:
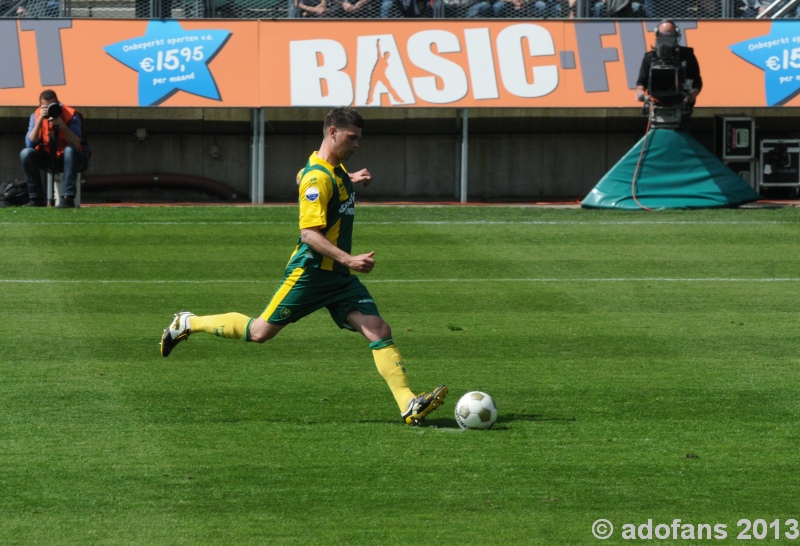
<point x="424" y="223"/>
<point x="596" y="279"/>
<point x="427" y="280"/>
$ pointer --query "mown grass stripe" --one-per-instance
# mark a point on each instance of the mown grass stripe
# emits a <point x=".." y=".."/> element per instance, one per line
<point x="387" y="281"/>
<point x="423" y="223"/>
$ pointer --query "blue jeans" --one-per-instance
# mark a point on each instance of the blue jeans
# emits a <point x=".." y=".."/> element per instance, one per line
<point x="34" y="162"/>
<point x="481" y="10"/>
<point x="600" y="10"/>
<point x="538" y="9"/>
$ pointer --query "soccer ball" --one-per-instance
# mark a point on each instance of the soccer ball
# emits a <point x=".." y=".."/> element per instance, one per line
<point x="476" y="410"/>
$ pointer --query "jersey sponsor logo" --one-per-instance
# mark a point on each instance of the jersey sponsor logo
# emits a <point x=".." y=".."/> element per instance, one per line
<point x="366" y="301"/>
<point x="347" y="207"/>
<point x="312" y="194"/>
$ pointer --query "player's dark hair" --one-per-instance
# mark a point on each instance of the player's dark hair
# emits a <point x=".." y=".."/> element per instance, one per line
<point x="342" y="118"/>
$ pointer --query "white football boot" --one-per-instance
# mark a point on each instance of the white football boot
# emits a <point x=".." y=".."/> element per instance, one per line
<point x="177" y="331"/>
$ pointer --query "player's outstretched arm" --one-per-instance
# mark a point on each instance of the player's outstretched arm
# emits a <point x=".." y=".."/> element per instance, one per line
<point x="363" y="176"/>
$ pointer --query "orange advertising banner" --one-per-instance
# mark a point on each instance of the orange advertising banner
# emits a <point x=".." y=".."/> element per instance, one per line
<point x="90" y="62"/>
<point x="591" y="63"/>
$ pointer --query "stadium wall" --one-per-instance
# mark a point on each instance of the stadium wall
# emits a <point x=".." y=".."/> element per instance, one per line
<point x="514" y="154"/>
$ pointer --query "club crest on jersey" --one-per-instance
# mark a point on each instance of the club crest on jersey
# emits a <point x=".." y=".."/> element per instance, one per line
<point x="312" y="193"/>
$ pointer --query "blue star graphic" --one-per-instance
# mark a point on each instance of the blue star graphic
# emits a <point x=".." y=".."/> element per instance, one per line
<point x="778" y="55"/>
<point x="169" y="59"/>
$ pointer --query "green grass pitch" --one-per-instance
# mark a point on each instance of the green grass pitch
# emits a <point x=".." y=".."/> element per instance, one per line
<point x="645" y="366"/>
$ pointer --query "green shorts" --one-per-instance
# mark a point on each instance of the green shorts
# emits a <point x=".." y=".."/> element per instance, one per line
<point x="303" y="291"/>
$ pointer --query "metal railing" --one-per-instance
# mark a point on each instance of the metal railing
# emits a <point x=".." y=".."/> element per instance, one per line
<point x="780" y="9"/>
<point x="382" y="9"/>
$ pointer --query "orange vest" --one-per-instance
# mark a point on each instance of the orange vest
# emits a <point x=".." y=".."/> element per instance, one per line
<point x="67" y="113"/>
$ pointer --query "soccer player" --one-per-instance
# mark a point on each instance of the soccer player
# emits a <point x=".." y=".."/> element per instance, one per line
<point x="321" y="271"/>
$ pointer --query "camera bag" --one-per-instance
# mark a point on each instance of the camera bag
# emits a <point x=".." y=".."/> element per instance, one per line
<point x="14" y="193"/>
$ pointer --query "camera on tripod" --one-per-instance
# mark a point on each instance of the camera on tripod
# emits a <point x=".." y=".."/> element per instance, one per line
<point x="666" y="104"/>
<point x="54" y="110"/>
<point x="667" y="88"/>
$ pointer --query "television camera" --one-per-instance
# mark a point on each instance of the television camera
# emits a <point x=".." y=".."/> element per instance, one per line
<point x="665" y="102"/>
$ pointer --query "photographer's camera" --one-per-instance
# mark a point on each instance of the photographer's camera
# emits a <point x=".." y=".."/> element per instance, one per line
<point x="54" y="110"/>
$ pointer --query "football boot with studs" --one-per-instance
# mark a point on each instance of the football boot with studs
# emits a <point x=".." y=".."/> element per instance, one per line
<point x="421" y="405"/>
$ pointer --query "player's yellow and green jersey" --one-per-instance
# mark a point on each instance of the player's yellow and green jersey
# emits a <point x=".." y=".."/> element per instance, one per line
<point x="327" y="201"/>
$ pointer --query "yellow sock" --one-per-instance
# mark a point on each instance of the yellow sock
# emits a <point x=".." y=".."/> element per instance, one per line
<point x="390" y="366"/>
<point x="229" y="325"/>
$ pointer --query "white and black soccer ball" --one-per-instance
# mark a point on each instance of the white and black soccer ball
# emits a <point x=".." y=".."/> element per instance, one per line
<point x="476" y="410"/>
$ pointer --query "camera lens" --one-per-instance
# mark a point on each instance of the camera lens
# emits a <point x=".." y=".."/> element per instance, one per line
<point x="54" y="110"/>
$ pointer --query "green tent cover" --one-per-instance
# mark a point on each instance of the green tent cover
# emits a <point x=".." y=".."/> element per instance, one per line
<point x="676" y="172"/>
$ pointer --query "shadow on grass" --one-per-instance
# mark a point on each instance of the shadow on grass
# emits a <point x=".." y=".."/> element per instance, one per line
<point x="503" y="420"/>
<point x="531" y="417"/>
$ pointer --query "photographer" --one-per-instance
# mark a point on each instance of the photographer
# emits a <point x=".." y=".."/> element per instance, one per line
<point x="668" y="55"/>
<point x="54" y="142"/>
